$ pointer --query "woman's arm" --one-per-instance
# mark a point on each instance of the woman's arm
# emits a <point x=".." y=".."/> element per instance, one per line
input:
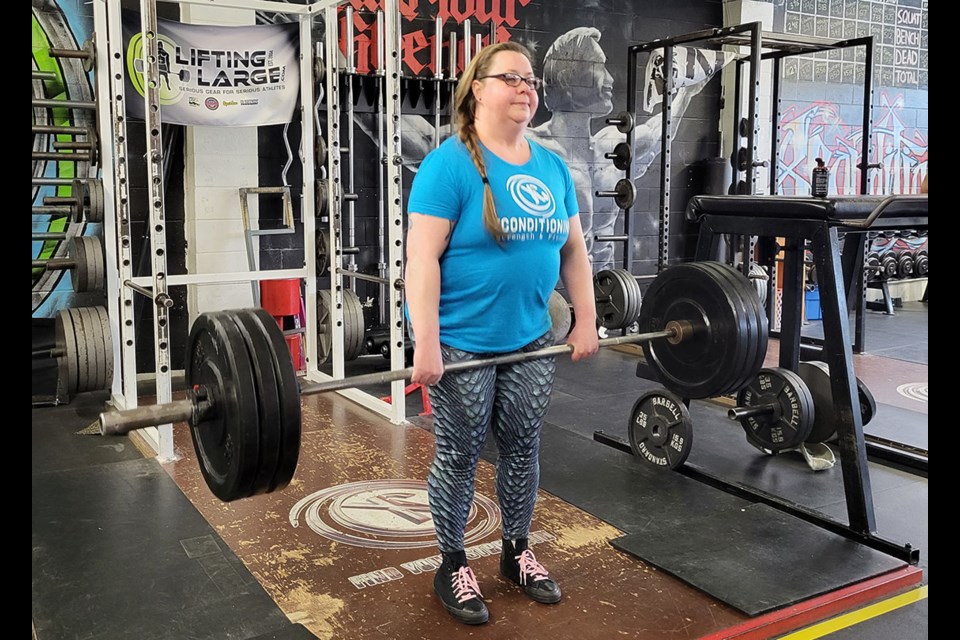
<point x="427" y="239"/>
<point x="577" y="276"/>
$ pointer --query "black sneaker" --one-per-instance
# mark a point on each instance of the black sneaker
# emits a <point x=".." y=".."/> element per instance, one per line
<point x="518" y="564"/>
<point x="460" y="594"/>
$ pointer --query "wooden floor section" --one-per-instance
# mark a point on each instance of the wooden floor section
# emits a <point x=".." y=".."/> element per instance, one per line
<point x="606" y="593"/>
<point x="347" y="549"/>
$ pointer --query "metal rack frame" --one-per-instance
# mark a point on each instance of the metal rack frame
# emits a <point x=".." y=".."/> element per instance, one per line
<point x="122" y="285"/>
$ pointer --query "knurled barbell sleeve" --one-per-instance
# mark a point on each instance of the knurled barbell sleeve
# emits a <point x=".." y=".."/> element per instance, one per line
<point x="117" y="423"/>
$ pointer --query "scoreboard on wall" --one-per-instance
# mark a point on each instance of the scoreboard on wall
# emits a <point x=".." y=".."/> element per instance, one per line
<point x="899" y="30"/>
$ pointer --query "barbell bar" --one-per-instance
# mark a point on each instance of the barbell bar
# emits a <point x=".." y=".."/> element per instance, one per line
<point x="86" y="263"/>
<point x="624" y="193"/>
<point x="87" y="54"/>
<point x="623" y="121"/>
<point x="700" y="323"/>
<point x="85" y="199"/>
<point x="197" y="408"/>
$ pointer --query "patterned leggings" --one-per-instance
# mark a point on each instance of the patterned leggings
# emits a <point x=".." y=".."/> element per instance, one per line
<point x="512" y="399"/>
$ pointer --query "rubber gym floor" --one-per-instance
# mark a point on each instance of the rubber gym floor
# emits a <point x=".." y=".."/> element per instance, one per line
<point x="124" y="546"/>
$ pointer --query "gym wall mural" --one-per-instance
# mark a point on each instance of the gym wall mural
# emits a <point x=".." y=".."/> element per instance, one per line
<point x="816" y="130"/>
<point x="580" y="47"/>
<point x="823" y="118"/>
<point x="61" y="153"/>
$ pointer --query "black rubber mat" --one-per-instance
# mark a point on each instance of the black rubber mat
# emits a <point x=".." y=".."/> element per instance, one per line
<point x="68" y="436"/>
<point x="293" y="632"/>
<point x="119" y="552"/>
<point x="44" y="371"/>
<point x="909" y="428"/>
<point x="616" y="487"/>
<point x="751" y="556"/>
<point x="756" y="559"/>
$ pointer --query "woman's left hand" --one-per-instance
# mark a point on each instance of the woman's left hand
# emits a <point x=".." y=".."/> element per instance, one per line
<point x="584" y="340"/>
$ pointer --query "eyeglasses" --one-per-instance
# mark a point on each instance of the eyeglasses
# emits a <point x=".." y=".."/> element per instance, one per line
<point x="513" y="80"/>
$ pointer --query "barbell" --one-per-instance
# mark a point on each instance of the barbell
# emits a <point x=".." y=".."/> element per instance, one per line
<point x="85" y="261"/>
<point x="85" y="200"/>
<point x="242" y="402"/>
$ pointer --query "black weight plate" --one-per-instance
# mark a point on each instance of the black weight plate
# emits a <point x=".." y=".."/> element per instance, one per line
<point x="227" y="442"/>
<point x="626" y="193"/>
<point x="612" y="310"/>
<point x="660" y="429"/>
<point x="755" y="311"/>
<point x="702" y="365"/>
<point x="289" y="395"/>
<point x="622" y="156"/>
<point x="816" y="374"/>
<point x="789" y="425"/>
<point x="268" y="396"/>
<point x="748" y="351"/>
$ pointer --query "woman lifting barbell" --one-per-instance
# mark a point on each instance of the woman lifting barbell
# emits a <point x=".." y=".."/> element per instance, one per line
<point x="493" y="225"/>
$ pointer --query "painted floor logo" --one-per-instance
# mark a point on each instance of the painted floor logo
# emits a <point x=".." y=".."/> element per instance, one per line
<point x="914" y="390"/>
<point x="385" y="514"/>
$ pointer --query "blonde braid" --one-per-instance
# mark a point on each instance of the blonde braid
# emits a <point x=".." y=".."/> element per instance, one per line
<point x="468" y="134"/>
<point x="466" y="105"/>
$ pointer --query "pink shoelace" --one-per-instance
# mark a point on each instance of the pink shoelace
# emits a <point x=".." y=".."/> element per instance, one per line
<point x="465" y="585"/>
<point x="529" y="567"/>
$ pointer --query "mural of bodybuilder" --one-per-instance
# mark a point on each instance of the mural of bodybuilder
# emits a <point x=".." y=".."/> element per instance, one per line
<point x="579" y="89"/>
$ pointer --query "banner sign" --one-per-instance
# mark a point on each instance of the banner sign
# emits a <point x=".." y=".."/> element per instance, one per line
<point x="235" y="76"/>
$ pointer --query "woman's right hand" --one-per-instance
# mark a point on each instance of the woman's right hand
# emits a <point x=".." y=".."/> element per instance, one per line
<point x="427" y="363"/>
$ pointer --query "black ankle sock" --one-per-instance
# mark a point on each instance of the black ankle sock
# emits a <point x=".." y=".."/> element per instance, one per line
<point x="515" y="547"/>
<point x="453" y="560"/>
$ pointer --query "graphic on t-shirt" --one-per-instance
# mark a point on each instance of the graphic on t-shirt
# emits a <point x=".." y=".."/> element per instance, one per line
<point x="531" y="195"/>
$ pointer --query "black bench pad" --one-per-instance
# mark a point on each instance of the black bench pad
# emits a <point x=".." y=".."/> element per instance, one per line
<point x="834" y="209"/>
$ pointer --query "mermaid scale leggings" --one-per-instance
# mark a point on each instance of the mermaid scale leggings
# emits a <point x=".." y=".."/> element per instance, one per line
<point x="510" y="399"/>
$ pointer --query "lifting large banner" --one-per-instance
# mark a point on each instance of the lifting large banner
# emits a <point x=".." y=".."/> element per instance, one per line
<point x="234" y="76"/>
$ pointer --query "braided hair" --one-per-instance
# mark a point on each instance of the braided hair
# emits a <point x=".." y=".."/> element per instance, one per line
<point x="466" y="105"/>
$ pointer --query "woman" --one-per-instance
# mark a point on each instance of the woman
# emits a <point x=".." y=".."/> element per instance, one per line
<point x="493" y="224"/>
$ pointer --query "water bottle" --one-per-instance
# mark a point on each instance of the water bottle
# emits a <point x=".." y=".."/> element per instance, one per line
<point x="821" y="179"/>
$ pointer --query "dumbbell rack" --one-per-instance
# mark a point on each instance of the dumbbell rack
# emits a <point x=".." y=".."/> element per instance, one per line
<point x="886" y="264"/>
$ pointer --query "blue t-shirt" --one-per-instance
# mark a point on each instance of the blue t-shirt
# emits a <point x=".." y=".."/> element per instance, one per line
<point x="495" y="298"/>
